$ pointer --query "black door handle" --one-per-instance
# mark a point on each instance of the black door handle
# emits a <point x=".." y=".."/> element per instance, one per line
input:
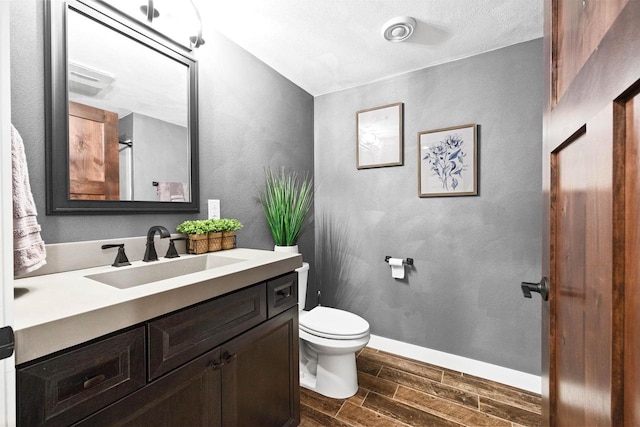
<point x="542" y="288"/>
<point x="7" y="342"/>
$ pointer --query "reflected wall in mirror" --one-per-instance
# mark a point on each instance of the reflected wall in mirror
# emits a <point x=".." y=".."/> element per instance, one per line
<point x="122" y="117"/>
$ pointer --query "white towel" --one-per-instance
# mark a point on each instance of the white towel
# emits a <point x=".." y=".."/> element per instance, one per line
<point x="29" y="252"/>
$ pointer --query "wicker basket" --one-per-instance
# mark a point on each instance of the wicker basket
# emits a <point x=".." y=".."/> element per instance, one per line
<point x="228" y="240"/>
<point x="198" y="243"/>
<point x="215" y="242"/>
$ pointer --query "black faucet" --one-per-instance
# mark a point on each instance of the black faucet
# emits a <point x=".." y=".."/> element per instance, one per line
<point x="150" y="253"/>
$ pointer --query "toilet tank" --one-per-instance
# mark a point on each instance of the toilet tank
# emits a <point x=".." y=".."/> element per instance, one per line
<point x="303" y="274"/>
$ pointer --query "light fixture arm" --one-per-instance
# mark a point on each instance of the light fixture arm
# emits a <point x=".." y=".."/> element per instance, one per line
<point x="197" y="40"/>
<point x="150" y="11"/>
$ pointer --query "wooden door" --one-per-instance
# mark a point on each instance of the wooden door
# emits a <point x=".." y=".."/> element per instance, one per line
<point x="93" y="153"/>
<point x="591" y="346"/>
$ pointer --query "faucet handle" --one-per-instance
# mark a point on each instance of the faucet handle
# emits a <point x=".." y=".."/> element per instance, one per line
<point x="172" y="252"/>
<point x="121" y="257"/>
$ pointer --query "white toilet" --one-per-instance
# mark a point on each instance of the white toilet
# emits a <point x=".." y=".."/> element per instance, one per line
<point x="329" y="340"/>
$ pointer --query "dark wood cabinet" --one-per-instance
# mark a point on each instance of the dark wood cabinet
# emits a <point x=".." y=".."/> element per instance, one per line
<point x="230" y="361"/>
<point x="188" y="396"/>
<point x="179" y="337"/>
<point x="260" y="380"/>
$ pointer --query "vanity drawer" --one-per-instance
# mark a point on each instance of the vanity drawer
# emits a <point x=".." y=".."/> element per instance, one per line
<point x="180" y="337"/>
<point x="68" y="387"/>
<point x="282" y="293"/>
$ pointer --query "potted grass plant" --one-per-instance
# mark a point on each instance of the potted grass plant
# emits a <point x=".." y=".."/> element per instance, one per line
<point x="197" y="231"/>
<point x="287" y="200"/>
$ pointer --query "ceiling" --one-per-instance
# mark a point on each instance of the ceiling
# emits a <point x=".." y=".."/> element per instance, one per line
<point x="327" y="45"/>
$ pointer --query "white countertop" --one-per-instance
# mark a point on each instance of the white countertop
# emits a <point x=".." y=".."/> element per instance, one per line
<point x="60" y="310"/>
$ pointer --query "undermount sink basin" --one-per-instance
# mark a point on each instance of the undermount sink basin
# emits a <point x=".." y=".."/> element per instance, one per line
<point x="130" y="277"/>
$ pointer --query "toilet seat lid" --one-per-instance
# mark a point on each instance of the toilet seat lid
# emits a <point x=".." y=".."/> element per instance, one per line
<point x="333" y="323"/>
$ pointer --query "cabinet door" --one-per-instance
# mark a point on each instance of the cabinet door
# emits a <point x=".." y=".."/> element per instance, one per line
<point x="260" y="377"/>
<point x="188" y="396"/>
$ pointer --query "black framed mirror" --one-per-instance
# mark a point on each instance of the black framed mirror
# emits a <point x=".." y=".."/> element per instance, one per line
<point x="121" y="114"/>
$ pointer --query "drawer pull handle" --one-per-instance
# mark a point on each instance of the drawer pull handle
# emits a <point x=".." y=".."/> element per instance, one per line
<point x="284" y="294"/>
<point x="92" y="382"/>
<point x="230" y="358"/>
<point x="216" y="365"/>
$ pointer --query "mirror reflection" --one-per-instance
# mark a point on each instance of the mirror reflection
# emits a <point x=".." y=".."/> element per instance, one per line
<point x="128" y="117"/>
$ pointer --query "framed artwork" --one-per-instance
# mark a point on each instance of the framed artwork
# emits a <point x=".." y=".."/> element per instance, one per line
<point x="447" y="162"/>
<point x="379" y="137"/>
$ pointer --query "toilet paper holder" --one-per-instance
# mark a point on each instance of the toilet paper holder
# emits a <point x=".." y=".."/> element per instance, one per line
<point x="408" y="261"/>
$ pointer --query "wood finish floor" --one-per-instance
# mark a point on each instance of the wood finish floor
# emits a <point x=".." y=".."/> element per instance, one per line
<point x="396" y="391"/>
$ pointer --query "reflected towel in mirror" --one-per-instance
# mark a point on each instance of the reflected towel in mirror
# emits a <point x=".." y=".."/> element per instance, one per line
<point x="173" y="191"/>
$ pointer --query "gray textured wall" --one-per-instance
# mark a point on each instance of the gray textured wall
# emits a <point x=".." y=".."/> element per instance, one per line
<point x="160" y="153"/>
<point x="250" y="117"/>
<point x="463" y="296"/>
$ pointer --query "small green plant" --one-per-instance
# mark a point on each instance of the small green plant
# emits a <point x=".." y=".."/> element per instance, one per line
<point x="196" y="226"/>
<point x="214" y="225"/>
<point x="229" y="225"/>
<point x="286" y="201"/>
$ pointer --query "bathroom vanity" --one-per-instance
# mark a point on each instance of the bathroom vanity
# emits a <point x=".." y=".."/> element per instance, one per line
<point x="217" y="346"/>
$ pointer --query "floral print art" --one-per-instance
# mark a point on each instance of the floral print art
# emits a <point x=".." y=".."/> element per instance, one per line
<point x="446" y="159"/>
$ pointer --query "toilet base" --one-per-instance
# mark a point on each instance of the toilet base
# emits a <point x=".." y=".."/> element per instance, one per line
<point x="336" y="376"/>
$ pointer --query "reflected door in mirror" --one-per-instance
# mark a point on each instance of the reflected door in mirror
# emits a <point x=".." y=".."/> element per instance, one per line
<point x="93" y="153"/>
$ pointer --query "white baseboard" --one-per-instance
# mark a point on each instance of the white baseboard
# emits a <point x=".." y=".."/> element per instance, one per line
<point x="484" y="370"/>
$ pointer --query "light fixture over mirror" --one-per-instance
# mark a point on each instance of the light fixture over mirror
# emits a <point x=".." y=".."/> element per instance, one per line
<point x="121" y="115"/>
<point x="178" y="20"/>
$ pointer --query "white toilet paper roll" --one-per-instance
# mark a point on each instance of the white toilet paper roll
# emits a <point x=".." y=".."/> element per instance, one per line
<point x="397" y="268"/>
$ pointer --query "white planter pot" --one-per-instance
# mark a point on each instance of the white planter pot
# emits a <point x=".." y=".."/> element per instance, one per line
<point x="287" y="249"/>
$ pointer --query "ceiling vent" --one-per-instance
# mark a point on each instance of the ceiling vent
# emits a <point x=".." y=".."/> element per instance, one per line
<point x="399" y="28"/>
<point x="88" y="81"/>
